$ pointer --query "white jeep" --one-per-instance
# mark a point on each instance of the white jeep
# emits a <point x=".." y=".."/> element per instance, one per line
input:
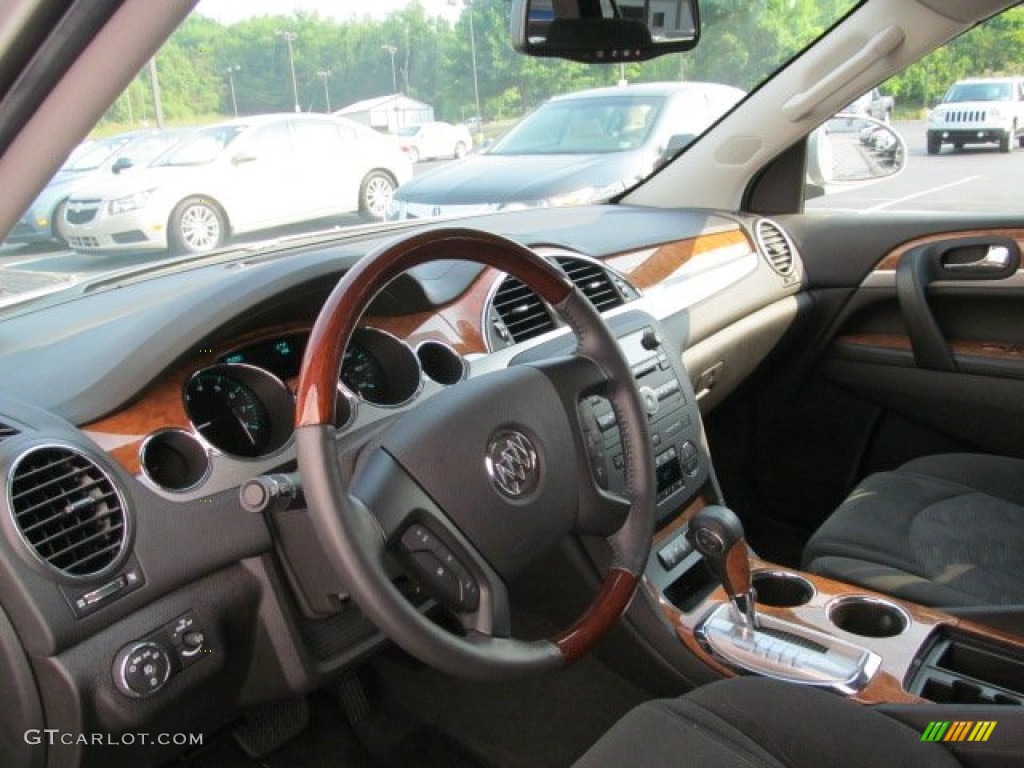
<point x="979" y="110"/>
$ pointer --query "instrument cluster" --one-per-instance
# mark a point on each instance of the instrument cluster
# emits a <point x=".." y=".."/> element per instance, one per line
<point x="243" y="406"/>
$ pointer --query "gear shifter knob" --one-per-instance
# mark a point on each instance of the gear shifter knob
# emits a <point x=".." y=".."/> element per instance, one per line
<point x="717" y="534"/>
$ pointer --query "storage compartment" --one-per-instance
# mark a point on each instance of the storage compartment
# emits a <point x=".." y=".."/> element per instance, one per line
<point x="781" y="589"/>
<point x="957" y="668"/>
<point x="690" y="589"/>
<point x="867" y="616"/>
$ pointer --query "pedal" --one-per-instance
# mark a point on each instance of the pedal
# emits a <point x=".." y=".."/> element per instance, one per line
<point x="353" y="700"/>
<point x="266" y="728"/>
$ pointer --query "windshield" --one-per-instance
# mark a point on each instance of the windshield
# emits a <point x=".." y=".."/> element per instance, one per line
<point x="980" y="92"/>
<point x="315" y="102"/>
<point x="92" y="156"/>
<point x="601" y="124"/>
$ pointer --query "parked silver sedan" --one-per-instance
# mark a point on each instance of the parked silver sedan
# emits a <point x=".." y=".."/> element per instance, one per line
<point x="239" y="176"/>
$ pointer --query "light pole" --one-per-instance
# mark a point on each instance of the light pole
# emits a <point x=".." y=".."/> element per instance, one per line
<point x="230" y="72"/>
<point x="324" y="74"/>
<point x="391" y="49"/>
<point x="289" y="37"/>
<point x="472" y="52"/>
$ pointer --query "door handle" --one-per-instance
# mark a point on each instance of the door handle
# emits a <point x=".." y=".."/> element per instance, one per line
<point x="996" y="259"/>
<point x="955" y="258"/>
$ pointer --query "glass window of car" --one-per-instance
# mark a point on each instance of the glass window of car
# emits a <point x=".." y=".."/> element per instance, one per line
<point x="577" y="126"/>
<point x="389" y="65"/>
<point x="200" y="149"/>
<point x="968" y="158"/>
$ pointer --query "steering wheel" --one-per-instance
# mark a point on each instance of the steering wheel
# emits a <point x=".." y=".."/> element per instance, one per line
<point x="465" y="489"/>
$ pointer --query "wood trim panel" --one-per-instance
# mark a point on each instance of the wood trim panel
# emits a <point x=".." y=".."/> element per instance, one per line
<point x="897" y="653"/>
<point x="892" y="259"/>
<point x="457" y="324"/>
<point x="996" y="350"/>
<point x="647" y="268"/>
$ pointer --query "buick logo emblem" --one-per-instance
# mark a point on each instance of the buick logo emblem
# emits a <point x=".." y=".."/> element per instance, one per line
<point x="512" y="465"/>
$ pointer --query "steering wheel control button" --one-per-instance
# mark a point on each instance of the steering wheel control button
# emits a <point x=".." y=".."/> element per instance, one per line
<point x="440" y="571"/>
<point x="512" y="464"/>
<point x="141" y="670"/>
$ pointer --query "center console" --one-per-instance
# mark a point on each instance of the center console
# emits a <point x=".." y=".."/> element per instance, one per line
<point x="738" y="614"/>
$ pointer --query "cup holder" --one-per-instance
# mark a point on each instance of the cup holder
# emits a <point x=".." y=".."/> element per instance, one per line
<point x="781" y="589"/>
<point x="868" y="616"/>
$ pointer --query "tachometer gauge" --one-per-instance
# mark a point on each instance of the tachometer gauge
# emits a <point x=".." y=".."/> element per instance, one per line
<point x="238" y="409"/>
<point x="380" y="368"/>
<point x="363" y="375"/>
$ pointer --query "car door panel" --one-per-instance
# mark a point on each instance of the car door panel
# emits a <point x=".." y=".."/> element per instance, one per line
<point x="851" y="395"/>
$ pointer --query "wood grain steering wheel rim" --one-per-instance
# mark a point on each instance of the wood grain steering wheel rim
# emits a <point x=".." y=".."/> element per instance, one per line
<point x="357" y="533"/>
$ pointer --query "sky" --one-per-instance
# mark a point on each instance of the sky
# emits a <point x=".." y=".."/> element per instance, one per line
<point x="230" y="11"/>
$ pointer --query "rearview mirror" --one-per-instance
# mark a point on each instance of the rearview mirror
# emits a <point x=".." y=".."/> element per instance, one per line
<point x="604" y="31"/>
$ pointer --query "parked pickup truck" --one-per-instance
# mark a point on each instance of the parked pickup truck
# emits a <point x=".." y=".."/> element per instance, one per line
<point x="872" y="104"/>
<point x="978" y="111"/>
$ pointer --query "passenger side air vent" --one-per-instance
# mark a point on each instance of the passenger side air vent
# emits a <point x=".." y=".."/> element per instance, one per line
<point x="6" y="430"/>
<point x="594" y="281"/>
<point x="775" y="245"/>
<point x="67" y="510"/>
<point x="521" y="311"/>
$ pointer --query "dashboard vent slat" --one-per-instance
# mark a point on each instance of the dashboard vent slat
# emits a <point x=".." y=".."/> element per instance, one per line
<point x="521" y="310"/>
<point x="775" y="245"/>
<point x="68" y="510"/>
<point x="594" y="281"/>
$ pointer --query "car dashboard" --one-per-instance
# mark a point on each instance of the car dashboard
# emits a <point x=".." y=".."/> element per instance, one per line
<point x="137" y="579"/>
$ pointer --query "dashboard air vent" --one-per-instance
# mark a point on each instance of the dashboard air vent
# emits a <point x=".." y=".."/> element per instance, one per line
<point x="594" y="281"/>
<point x="521" y="310"/>
<point x="67" y="510"/>
<point x="776" y="246"/>
<point x="6" y="430"/>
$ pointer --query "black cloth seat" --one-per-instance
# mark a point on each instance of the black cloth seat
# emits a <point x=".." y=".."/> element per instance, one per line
<point x="944" y="530"/>
<point x="757" y="722"/>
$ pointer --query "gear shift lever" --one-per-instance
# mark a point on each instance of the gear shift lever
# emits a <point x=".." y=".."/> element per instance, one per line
<point x="717" y="534"/>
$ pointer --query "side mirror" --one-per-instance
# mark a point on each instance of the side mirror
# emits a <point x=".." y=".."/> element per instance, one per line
<point x="604" y="31"/>
<point x="852" y="149"/>
<point x="121" y="164"/>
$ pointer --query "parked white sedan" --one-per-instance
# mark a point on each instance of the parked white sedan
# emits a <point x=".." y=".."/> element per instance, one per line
<point x="428" y="141"/>
<point x="239" y="176"/>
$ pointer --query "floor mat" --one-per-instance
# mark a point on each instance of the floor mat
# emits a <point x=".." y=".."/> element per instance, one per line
<point x="542" y="722"/>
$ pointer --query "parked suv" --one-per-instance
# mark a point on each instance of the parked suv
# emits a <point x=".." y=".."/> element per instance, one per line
<point x="979" y="110"/>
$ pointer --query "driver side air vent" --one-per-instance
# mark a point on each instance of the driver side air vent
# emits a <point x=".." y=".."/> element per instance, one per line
<point x="521" y="310"/>
<point x="67" y="510"/>
<point x="594" y="281"/>
<point x="775" y="245"/>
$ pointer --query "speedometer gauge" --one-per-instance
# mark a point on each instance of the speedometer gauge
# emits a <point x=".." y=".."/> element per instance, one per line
<point x="239" y="409"/>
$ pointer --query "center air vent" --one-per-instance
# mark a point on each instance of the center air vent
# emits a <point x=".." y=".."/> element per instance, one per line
<point x="521" y="310"/>
<point x="68" y="510"/>
<point x="594" y="281"/>
<point x="776" y="246"/>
